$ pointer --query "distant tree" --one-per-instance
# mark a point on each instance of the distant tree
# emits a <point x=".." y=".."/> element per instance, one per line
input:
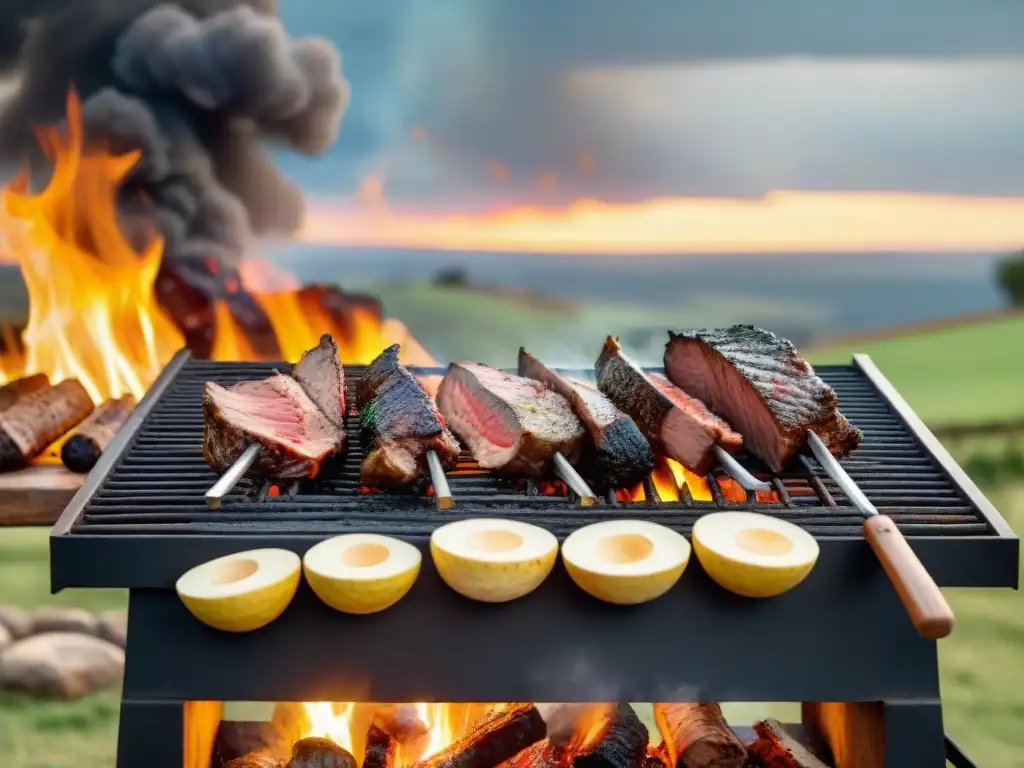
<point x="1010" y="278"/>
<point x="452" y="277"/>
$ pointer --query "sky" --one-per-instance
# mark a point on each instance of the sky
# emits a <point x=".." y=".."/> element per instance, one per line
<point x="459" y="102"/>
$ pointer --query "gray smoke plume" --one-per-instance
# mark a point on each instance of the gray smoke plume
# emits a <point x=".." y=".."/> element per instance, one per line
<point x="202" y="88"/>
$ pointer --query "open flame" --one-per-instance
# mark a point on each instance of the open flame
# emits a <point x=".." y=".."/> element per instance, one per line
<point x="94" y="313"/>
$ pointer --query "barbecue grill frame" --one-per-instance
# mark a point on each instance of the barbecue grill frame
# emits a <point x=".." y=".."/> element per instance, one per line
<point x="85" y="559"/>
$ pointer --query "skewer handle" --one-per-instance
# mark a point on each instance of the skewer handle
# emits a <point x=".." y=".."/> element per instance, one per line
<point x="567" y="472"/>
<point x="230" y="479"/>
<point x="917" y="590"/>
<point x="738" y="472"/>
<point x="442" y="492"/>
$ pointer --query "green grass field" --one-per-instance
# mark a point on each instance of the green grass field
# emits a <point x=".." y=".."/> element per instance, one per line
<point x="952" y="376"/>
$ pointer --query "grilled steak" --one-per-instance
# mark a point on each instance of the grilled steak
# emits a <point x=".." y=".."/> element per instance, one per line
<point x="762" y="385"/>
<point x="295" y="436"/>
<point x="319" y="372"/>
<point x="622" y="455"/>
<point x="509" y="423"/>
<point x="38" y="418"/>
<point x="400" y="425"/>
<point x="678" y="426"/>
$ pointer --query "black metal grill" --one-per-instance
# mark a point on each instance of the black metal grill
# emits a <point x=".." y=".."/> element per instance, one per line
<point x="157" y="486"/>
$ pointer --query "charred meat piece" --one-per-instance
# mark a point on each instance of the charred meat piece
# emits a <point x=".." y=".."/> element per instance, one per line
<point x="495" y="738"/>
<point x="320" y="374"/>
<point x="775" y="747"/>
<point x="678" y="426"/>
<point x="616" y="739"/>
<point x="83" y="449"/>
<point x="39" y="418"/>
<point x="622" y="455"/>
<point x="509" y="423"/>
<point x="12" y="391"/>
<point x="697" y="736"/>
<point x="400" y="425"/>
<point x="295" y="436"/>
<point x="762" y="385"/>
<point x="381" y="749"/>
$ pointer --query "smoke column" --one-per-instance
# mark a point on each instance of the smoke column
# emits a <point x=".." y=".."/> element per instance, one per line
<point x="202" y="88"/>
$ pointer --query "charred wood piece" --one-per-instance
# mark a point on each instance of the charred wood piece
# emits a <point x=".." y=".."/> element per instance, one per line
<point x="314" y="752"/>
<point x="496" y="737"/>
<point x="775" y="747"/>
<point x="381" y="749"/>
<point x="13" y="391"/>
<point x="543" y="754"/>
<point x="83" y="449"/>
<point x="697" y="736"/>
<point x="39" y="418"/>
<point x="256" y="760"/>
<point x="617" y="740"/>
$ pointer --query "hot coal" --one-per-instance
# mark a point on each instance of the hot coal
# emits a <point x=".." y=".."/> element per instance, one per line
<point x="656" y="757"/>
<point x="12" y="391"/>
<point x="776" y="747"/>
<point x="200" y="87"/>
<point x="400" y="425"/>
<point x="90" y="439"/>
<point x="511" y="424"/>
<point x="497" y="736"/>
<point x="294" y="435"/>
<point x="320" y="374"/>
<point x="762" y="385"/>
<point x="314" y="752"/>
<point x="677" y="425"/>
<point x="616" y="740"/>
<point x="622" y="455"/>
<point x="37" y="419"/>
<point x="697" y="736"/>
<point x="381" y="749"/>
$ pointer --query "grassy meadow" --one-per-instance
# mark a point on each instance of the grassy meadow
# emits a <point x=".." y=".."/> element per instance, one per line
<point x="954" y="376"/>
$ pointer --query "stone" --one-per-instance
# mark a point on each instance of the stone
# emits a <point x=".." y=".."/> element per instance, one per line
<point x="5" y="637"/>
<point x="16" y="621"/>
<point x="64" y="618"/>
<point x="60" y="664"/>
<point x="114" y="627"/>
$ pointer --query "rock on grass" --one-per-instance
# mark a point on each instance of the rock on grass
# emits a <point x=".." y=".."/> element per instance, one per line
<point x="61" y="665"/>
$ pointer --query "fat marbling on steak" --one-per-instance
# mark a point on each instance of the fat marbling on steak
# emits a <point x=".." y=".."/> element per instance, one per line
<point x="400" y="425"/>
<point x="762" y="384"/>
<point x="622" y="456"/>
<point x="510" y="423"/>
<point x="677" y="425"/>
<point x="320" y="374"/>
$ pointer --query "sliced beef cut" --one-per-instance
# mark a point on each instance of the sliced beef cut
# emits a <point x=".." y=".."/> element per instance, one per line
<point x="400" y="425"/>
<point x="295" y="436"/>
<point x="763" y="385"/>
<point x="622" y="455"/>
<point x="320" y="374"/>
<point x="678" y="426"/>
<point x="511" y="424"/>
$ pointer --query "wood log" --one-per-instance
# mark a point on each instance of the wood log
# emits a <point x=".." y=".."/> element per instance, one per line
<point x="697" y="736"/>
<point x="13" y="391"/>
<point x="255" y="760"/>
<point x="854" y="731"/>
<point x="90" y="439"/>
<point x="775" y="747"/>
<point x="381" y="749"/>
<point x="314" y="752"/>
<point x="498" y="735"/>
<point x="39" y="418"/>
<point x="543" y="754"/>
<point x="615" y="739"/>
<point x="656" y="757"/>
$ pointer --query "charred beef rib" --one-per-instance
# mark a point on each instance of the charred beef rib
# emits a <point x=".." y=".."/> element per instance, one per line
<point x="763" y="385"/>
<point x="622" y="455"/>
<point x="678" y="426"/>
<point x="400" y="425"/>
<point x="511" y="424"/>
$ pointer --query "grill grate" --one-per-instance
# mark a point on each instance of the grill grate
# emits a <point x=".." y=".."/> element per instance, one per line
<point x="157" y="485"/>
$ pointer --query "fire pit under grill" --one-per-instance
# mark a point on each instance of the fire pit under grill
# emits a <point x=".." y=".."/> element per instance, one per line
<point x="140" y="521"/>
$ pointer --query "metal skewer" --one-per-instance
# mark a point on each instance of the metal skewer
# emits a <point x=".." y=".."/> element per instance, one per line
<point x="738" y="472"/>
<point x="571" y="478"/>
<point x="442" y="492"/>
<point x="230" y="479"/>
<point x="915" y="587"/>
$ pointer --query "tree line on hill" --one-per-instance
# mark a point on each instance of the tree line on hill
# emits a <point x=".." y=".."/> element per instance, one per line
<point x="1010" y="278"/>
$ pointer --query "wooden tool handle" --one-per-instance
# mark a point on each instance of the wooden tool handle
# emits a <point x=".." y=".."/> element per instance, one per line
<point x="917" y="590"/>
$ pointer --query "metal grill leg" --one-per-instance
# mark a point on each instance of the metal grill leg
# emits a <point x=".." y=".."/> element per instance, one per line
<point x="913" y="734"/>
<point x="150" y="734"/>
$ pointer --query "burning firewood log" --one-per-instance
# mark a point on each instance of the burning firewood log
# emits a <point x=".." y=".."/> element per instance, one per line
<point x="39" y="418"/>
<point x="775" y="747"/>
<point x="258" y="760"/>
<point x="497" y="736"/>
<point x="543" y="754"/>
<point x="313" y="752"/>
<point x="697" y="736"/>
<point x="615" y="738"/>
<point x="13" y="391"/>
<point x="83" y="449"/>
<point x="656" y="757"/>
<point x="381" y="749"/>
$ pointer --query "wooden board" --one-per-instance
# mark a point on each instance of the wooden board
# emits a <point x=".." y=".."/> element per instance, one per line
<point x="36" y="495"/>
